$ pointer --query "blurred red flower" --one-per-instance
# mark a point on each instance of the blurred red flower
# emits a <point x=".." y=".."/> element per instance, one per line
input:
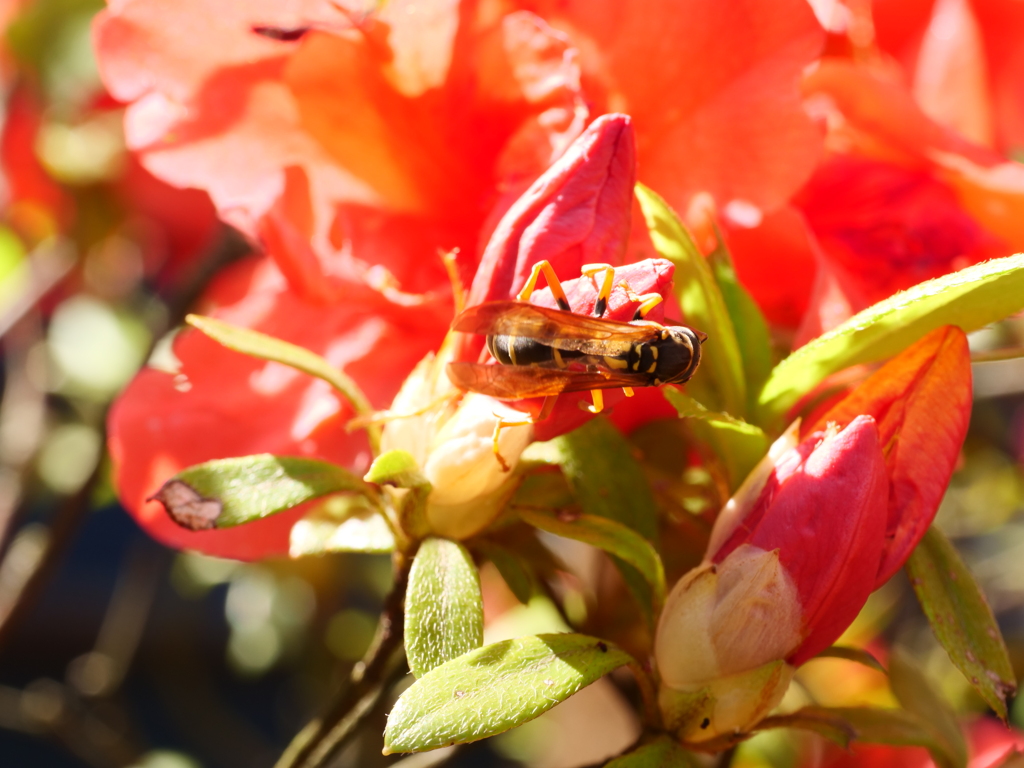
<point x="355" y="144"/>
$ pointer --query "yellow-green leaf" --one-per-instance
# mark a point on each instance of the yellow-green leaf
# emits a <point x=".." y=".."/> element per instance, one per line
<point x="492" y="689"/>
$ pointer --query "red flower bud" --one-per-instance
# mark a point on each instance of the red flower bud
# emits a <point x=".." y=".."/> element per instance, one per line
<point x="577" y="213"/>
<point x="784" y="576"/>
<point x="921" y="400"/>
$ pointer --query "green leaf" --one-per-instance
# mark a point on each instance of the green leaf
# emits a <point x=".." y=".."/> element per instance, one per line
<point x="719" y="381"/>
<point x="739" y="445"/>
<point x="399" y="469"/>
<point x="341" y="524"/>
<point x="916" y="694"/>
<point x="610" y="536"/>
<point x="606" y="478"/>
<point x="662" y="753"/>
<point x="961" y="618"/>
<point x="444" y="610"/>
<point x="228" y="492"/>
<point x="511" y="568"/>
<point x="607" y="481"/>
<point x="858" y="655"/>
<point x="868" y="725"/>
<point x="490" y="690"/>
<point x="264" y="347"/>
<point x="970" y="298"/>
<point x="747" y="321"/>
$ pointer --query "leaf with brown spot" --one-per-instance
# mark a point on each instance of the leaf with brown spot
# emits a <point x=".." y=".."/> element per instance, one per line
<point x="227" y="492"/>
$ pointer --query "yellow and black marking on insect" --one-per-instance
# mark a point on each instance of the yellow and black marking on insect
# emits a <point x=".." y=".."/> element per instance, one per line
<point x="543" y="352"/>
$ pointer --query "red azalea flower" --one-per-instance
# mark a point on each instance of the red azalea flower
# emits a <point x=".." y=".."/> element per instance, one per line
<point x="814" y="529"/>
<point x="243" y="406"/>
<point x="387" y="133"/>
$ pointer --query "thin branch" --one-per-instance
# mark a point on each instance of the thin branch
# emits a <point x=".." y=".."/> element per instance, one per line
<point x="321" y="739"/>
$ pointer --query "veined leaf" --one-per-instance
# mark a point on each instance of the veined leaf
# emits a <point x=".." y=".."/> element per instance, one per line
<point x="612" y="537"/>
<point x="607" y="481"/>
<point x="739" y="445"/>
<point x="916" y="694"/>
<point x="444" y="611"/>
<point x="970" y="299"/>
<point x="867" y="725"/>
<point x="492" y="689"/>
<point x="264" y="347"/>
<point x="227" y="492"/>
<point x="858" y="655"/>
<point x="961" y="619"/>
<point x="719" y="381"/>
<point x="662" y="753"/>
<point x="341" y="524"/>
<point x="747" y="321"/>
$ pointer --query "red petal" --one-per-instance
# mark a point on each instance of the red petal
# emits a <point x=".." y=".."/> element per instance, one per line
<point x="921" y="400"/>
<point x="713" y="88"/>
<point x="226" y="404"/>
<point x="578" y="212"/>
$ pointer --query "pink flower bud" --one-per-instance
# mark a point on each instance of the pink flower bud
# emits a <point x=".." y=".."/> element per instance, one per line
<point x="791" y="562"/>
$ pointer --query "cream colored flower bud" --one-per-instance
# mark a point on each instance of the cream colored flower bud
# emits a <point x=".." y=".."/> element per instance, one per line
<point x="451" y="436"/>
<point x="720" y="640"/>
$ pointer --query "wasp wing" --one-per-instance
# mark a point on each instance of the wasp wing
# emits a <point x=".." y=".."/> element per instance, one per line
<point x="516" y="382"/>
<point x="555" y="327"/>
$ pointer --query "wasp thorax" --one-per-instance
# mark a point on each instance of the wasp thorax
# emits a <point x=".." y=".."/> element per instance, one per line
<point x="678" y="354"/>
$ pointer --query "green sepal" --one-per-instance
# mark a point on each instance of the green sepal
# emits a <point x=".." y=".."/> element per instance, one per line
<point x="399" y="469"/>
<point x="492" y="689"/>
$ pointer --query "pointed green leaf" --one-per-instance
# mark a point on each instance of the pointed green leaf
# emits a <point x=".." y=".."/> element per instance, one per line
<point x="264" y="347"/>
<point x="610" y="536"/>
<point x="867" y="725"/>
<point x="341" y="524"/>
<point x="719" y="381"/>
<point x="747" y="321"/>
<point x="662" y="753"/>
<point x="739" y="445"/>
<point x="511" y="568"/>
<point x="606" y="478"/>
<point x="228" y="492"/>
<point x="607" y="481"/>
<point x="971" y="298"/>
<point x="916" y="694"/>
<point x="490" y="690"/>
<point x="961" y="618"/>
<point x="858" y="655"/>
<point x="444" y="611"/>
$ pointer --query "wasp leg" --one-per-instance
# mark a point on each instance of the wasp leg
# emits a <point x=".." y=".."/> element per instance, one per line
<point x="500" y="425"/>
<point x="627" y="391"/>
<point x="553" y="284"/>
<point x="589" y="270"/>
<point x="547" y="408"/>
<point x="647" y="302"/>
<point x="598" y="405"/>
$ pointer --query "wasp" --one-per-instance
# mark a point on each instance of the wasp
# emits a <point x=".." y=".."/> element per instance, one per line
<point x="544" y="352"/>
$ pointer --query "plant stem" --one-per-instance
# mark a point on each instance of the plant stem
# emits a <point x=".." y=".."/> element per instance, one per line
<point x="322" y="737"/>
